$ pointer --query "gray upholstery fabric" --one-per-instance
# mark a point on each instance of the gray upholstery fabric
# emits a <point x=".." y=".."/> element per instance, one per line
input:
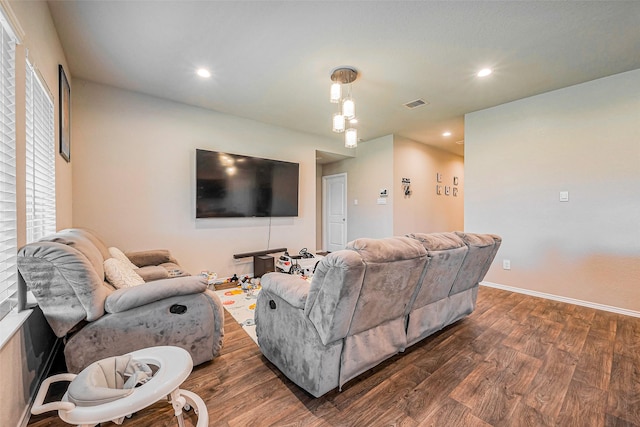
<point x="150" y="257"/>
<point x="65" y="273"/>
<point x="150" y="325"/>
<point x="64" y="282"/>
<point x="367" y="303"/>
<point x="291" y="288"/>
<point x="127" y="298"/>
<point x="150" y="273"/>
<point x="333" y="294"/>
<point x="482" y="250"/>
<point x="290" y="341"/>
<point x="155" y="263"/>
<point x="394" y="269"/>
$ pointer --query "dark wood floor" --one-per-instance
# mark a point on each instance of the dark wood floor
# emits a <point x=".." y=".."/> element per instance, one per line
<point x="516" y="361"/>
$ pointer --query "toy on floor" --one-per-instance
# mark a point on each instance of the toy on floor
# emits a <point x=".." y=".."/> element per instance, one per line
<point x="304" y="263"/>
<point x="106" y="390"/>
<point x="210" y="276"/>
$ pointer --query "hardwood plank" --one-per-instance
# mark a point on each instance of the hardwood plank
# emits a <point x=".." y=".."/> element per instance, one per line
<point x="494" y="388"/>
<point x="426" y="396"/>
<point x="583" y="406"/>
<point x="624" y="391"/>
<point x="627" y="337"/>
<point x="594" y="366"/>
<point x="535" y="337"/>
<point x="526" y="416"/>
<point x="611" y="421"/>
<point x="550" y="385"/>
<point x="452" y="413"/>
<point x="571" y="339"/>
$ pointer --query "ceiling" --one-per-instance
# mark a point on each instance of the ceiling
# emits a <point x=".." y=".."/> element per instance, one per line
<point x="271" y="60"/>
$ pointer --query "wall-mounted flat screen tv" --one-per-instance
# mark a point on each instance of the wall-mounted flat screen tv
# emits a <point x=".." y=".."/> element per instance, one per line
<point x="231" y="185"/>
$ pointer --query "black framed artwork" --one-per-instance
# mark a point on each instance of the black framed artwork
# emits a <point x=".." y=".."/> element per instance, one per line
<point x="64" y="123"/>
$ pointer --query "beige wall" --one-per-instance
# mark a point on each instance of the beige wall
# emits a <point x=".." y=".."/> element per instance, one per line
<point x="367" y="173"/>
<point x="584" y="139"/>
<point x="134" y="177"/>
<point x="23" y="357"/>
<point x="382" y="163"/>
<point x="424" y="210"/>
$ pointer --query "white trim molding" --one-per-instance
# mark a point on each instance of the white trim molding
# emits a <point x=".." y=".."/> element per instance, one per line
<point x="567" y="300"/>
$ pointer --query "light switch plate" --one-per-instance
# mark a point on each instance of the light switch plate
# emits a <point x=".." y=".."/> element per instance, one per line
<point x="564" y="196"/>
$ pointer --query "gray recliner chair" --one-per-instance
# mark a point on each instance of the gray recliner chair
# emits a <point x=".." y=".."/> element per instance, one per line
<point x="65" y="273"/>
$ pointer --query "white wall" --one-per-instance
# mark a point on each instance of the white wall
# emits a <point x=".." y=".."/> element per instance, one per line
<point x="134" y="177"/>
<point x="367" y="173"/>
<point x="424" y="210"/>
<point x="584" y="139"/>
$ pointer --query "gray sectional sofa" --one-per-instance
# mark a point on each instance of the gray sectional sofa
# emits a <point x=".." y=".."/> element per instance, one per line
<point x="368" y="302"/>
<point x="66" y="273"/>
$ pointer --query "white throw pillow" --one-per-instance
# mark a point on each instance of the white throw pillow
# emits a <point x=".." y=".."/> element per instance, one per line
<point x="118" y="254"/>
<point x="121" y="275"/>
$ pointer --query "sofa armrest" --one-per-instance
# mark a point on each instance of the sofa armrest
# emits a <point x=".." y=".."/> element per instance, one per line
<point x="128" y="298"/>
<point x="150" y="273"/>
<point x="150" y="257"/>
<point x="293" y="289"/>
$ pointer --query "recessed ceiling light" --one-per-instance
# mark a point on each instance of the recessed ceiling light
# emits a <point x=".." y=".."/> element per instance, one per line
<point x="484" y="72"/>
<point x="203" y="72"/>
<point x="447" y="133"/>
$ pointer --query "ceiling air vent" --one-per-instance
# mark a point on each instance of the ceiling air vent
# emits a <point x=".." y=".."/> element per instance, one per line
<point x="415" y="104"/>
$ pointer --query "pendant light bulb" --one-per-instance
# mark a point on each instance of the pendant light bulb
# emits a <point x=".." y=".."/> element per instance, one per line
<point x="348" y="108"/>
<point x="351" y="138"/>
<point x="338" y="123"/>
<point x="336" y="93"/>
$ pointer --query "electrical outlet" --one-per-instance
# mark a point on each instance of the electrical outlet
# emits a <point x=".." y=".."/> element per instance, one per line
<point x="506" y="264"/>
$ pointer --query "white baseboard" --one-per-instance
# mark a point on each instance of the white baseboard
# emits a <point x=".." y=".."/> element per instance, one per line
<point x="594" y="305"/>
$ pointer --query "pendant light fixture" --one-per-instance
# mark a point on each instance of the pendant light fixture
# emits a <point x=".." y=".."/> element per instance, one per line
<point x="338" y="123"/>
<point x="351" y="138"/>
<point x="344" y="76"/>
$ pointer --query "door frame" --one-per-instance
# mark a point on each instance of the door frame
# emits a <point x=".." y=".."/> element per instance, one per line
<point x="325" y="215"/>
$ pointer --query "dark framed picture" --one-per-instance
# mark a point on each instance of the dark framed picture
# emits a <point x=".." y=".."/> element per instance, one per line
<point x="64" y="98"/>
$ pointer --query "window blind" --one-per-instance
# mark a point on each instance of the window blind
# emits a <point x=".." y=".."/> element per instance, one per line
<point x="8" y="240"/>
<point x="40" y="159"/>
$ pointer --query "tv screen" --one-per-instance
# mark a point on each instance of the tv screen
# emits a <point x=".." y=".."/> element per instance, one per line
<point x="231" y="185"/>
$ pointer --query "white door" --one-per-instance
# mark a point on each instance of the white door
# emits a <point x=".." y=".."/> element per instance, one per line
<point x="334" y="212"/>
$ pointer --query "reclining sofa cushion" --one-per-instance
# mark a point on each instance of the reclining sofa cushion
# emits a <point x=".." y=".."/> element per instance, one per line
<point x="333" y="294"/>
<point x="446" y="253"/>
<point x="431" y="308"/>
<point x="64" y="281"/>
<point x="482" y="251"/>
<point x="394" y="270"/>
